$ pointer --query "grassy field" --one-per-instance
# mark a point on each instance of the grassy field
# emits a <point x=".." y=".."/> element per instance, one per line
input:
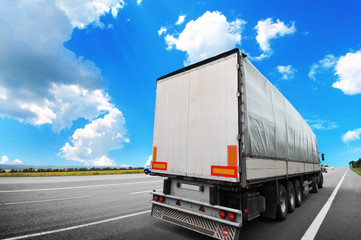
<point x="357" y="170"/>
<point x="70" y="173"/>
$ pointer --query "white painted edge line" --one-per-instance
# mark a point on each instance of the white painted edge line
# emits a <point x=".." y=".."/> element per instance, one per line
<point x="315" y="225"/>
<point x="148" y="191"/>
<point x="76" y="227"/>
<point x="64" y="188"/>
<point x="47" y="200"/>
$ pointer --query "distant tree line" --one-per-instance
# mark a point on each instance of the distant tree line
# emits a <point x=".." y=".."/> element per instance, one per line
<point x="356" y="164"/>
<point x="27" y="170"/>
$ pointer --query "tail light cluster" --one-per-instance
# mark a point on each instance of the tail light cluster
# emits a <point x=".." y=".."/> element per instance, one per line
<point x="158" y="198"/>
<point x="230" y="215"/>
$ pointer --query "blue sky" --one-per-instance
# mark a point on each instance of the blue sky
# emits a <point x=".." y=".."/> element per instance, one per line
<point x="77" y="78"/>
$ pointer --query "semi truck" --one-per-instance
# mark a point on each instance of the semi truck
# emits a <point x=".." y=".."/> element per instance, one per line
<point x="230" y="147"/>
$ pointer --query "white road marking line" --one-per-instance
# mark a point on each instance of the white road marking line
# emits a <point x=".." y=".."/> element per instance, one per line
<point x="78" y="226"/>
<point x="48" y="200"/>
<point x="148" y="191"/>
<point x="315" y="225"/>
<point x="64" y="188"/>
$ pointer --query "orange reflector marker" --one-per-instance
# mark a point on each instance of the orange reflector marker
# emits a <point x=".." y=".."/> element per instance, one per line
<point x="154" y="154"/>
<point x="222" y="214"/>
<point x="231" y="216"/>
<point x="201" y="208"/>
<point x="232" y="155"/>
<point x="224" y="171"/>
<point x="159" y="165"/>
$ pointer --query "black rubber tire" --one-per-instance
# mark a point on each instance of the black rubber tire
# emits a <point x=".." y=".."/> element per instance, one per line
<point x="291" y="196"/>
<point x="282" y="207"/>
<point x="320" y="180"/>
<point x="314" y="186"/>
<point x="298" y="193"/>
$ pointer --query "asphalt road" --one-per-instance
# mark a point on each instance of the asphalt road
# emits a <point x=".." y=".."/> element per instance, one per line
<point x="117" y="207"/>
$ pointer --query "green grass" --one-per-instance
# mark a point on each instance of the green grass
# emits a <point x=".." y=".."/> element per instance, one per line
<point x="357" y="170"/>
<point x="71" y="173"/>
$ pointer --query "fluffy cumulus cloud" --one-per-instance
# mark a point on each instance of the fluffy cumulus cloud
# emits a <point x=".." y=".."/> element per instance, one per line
<point x="328" y="62"/>
<point x="287" y="72"/>
<point x="348" y="70"/>
<point x="4" y="160"/>
<point x="207" y="36"/>
<point x="351" y="135"/>
<point x="83" y="12"/>
<point x="91" y="144"/>
<point x="181" y="19"/>
<point x="268" y="30"/>
<point x="42" y="82"/>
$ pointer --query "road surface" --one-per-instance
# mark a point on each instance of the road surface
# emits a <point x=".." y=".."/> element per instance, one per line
<point x="117" y="207"/>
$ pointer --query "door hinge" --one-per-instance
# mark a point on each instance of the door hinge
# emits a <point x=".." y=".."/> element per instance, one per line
<point x="238" y="94"/>
<point x="239" y="136"/>
<point x="238" y="66"/>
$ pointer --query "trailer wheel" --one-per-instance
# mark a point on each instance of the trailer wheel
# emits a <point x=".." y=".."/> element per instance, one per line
<point x="314" y="186"/>
<point x="291" y="201"/>
<point x="282" y="207"/>
<point x="298" y="191"/>
<point x="320" y="180"/>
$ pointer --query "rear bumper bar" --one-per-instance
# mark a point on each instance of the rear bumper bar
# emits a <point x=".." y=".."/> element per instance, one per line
<point x="195" y="222"/>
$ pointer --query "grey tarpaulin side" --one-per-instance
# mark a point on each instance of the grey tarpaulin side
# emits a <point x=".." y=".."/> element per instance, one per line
<point x="274" y="128"/>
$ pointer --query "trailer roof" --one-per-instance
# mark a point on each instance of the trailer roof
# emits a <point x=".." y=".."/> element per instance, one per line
<point x="223" y="55"/>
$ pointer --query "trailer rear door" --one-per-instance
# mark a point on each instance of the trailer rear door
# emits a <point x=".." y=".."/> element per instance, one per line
<point x="196" y="121"/>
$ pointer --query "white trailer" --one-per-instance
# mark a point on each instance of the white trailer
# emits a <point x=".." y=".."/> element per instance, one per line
<point x="231" y="146"/>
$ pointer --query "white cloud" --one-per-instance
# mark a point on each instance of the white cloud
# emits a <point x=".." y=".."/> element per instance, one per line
<point x="71" y="102"/>
<point x="17" y="161"/>
<point x="92" y="144"/>
<point x="83" y="12"/>
<point x="33" y="59"/>
<point x="207" y="36"/>
<point x="42" y="82"/>
<point x="268" y="30"/>
<point x="162" y="30"/>
<point x="351" y="135"/>
<point x="139" y="2"/>
<point x="287" y="72"/>
<point x="319" y="124"/>
<point x="181" y="19"/>
<point x="348" y="69"/>
<point x="328" y="62"/>
<point x="4" y="160"/>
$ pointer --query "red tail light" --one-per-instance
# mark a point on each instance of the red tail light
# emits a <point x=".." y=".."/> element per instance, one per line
<point x="231" y="216"/>
<point x="155" y="197"/>
<point x="178" y="203"/>
<point x="161" y="199"/>
<point x="222" y="214"/>
<point x="201" y="208"/>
